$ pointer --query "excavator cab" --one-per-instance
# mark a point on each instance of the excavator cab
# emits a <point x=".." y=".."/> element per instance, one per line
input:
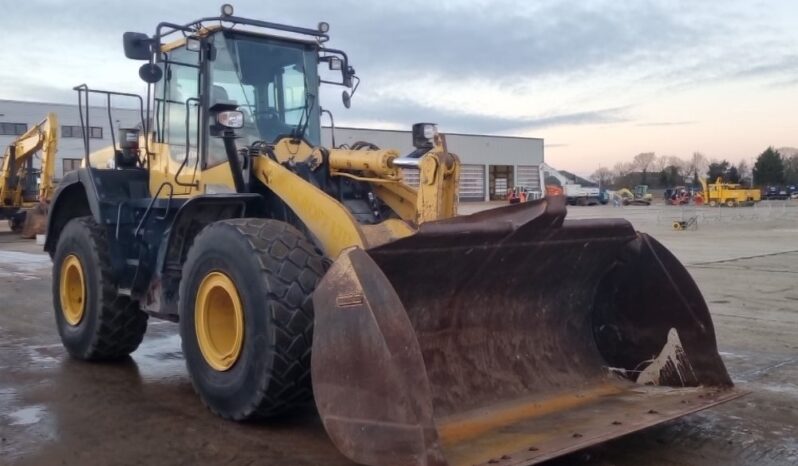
<point x="299" y="272"/>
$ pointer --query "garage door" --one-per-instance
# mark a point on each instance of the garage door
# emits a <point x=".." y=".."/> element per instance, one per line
<point x="472" y="182"/>
<point x="410" y="176"/>
<point x="528" y="176"/>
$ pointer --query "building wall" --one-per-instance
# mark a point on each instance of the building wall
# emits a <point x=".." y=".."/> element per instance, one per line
<point x="69" y="148"/>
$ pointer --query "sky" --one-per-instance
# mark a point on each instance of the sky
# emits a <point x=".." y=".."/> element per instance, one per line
<point x="600" y="81"/>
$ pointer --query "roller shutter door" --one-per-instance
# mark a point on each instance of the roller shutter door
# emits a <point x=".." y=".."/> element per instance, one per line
<point x="411" y="176"/>
<point x="472" y="182"/>
<point x="528" y="176"/>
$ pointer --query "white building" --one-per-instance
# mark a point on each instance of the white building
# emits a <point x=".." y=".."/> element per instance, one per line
<point x="491" y="164"/>
<point x="17" y="116"/>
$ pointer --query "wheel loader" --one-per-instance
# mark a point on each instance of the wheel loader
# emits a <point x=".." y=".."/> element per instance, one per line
<point x="304" y="274"/>
<point x="25" y="190"/>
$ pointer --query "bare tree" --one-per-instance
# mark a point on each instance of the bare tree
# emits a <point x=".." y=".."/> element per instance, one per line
<point x="697" y="166"/>
<point x="744" y="172"/>
<point x="603" y="176"/>
<point x="621" y="169"/>
<point x="660" y="163"/>
<point x="642" y="162"/>
<point x="673" y="161"/>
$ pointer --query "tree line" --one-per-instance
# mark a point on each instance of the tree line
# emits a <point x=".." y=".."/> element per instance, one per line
<point x="770" y="168"/>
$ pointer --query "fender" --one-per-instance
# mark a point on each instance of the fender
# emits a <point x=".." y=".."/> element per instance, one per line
<point x="160" y="296"/>
<point x="75" y="197"/>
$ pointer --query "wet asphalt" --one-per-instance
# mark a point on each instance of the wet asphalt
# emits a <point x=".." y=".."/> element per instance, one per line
<point x="58" y="411"/>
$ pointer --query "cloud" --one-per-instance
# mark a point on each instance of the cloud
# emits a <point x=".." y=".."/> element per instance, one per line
<point x="667" y="123"/>
<point x="402" y="113"/>
<point x="490" y="66"/>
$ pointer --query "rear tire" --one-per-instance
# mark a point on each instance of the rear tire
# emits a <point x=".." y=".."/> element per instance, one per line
<point x="94" y="322"/>
<point x="268" y="271"/>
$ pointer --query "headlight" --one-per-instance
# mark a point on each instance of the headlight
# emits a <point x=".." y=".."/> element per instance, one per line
<point x="424" y="135"/>
<point x="231" y="119"/>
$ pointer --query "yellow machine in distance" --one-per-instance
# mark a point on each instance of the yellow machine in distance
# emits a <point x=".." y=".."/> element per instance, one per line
<point x="24" y="189"/>
<point x="640" y="195"/>
<point x="728" y="194"/>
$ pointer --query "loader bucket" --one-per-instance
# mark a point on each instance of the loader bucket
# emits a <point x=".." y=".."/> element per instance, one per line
<point x="35" y="221"/>
<point x="509" y="337"/>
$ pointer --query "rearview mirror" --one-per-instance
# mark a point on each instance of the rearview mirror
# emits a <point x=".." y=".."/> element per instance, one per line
<point x="137" y="45"/>
<point x="347" y="99"/>
<point x="150" y="73"/>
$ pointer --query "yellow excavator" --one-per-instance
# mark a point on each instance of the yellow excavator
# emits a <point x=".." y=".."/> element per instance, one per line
<point x="640" y="195"/>
<point x="301" y="273"/>
<point x="24" y="189"/>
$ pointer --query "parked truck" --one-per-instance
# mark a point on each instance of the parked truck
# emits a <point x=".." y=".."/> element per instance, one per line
<point x="728" y="194"/>
<point x="575" y="193"/>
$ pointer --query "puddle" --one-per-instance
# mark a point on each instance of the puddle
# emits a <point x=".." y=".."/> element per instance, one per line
<point x="25" y="261"/>
<point x="160" y="357"/>
<point x="22" y="265"/>
<point x="26" y="416"/>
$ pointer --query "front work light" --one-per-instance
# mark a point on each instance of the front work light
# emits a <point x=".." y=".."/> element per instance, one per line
<point x="227" y="9"/>
<point x="231" y="119"/>
<point x="424" y="135"/>
<point x="324" y="27"/>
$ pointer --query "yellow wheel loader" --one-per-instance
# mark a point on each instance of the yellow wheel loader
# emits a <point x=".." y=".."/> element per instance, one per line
<point x="300" y="273"/>
<point x="25" y="190"/>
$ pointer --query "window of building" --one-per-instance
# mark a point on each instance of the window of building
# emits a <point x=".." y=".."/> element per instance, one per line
<point x="71" y="131"/>
<point x="71" y="164"/>
<point x="13" y="129"/>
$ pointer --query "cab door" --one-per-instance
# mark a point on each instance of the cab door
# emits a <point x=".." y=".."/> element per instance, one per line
<point x="177" y="145"/>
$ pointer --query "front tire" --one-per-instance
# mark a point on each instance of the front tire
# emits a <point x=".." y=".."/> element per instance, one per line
<point x="246" y="317"/>
<point x="94" y="322"/>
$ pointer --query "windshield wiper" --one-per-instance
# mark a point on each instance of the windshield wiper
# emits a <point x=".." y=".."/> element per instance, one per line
<point x="304" y="118"/>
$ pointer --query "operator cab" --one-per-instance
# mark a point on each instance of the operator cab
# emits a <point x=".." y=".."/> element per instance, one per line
<point x="272" y="80"/>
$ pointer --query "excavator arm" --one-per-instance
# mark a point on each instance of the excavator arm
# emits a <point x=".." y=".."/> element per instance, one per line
<point x="41" y="137"/>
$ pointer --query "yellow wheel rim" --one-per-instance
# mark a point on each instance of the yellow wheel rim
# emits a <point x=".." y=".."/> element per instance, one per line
<point x="219" y="321"/>
<point x="73" y="290"/>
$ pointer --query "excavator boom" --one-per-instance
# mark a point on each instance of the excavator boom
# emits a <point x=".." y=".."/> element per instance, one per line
<point x="18" y="175"/>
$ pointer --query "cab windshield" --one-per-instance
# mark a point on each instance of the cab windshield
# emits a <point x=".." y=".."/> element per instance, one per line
<point x="274" y="83"/>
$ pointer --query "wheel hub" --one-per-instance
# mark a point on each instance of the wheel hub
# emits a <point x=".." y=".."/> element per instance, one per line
<point x="72" y="290"/>
<point x="219" y="321"/>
